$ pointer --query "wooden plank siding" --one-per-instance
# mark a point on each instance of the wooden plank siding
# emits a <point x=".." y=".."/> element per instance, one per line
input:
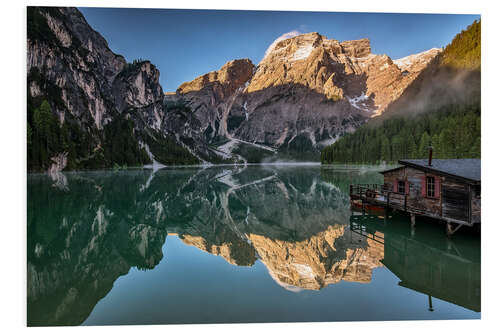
<point x="416" y="187"/>
<point x="476" y="204"/>
<point x="456" y="199"/>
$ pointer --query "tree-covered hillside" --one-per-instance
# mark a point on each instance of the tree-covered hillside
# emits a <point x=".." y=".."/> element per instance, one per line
<point x="453" y="132"/>
<point x="442" y="108"/>
<point x="119" y="143"/>
<point x="465" y="49"/>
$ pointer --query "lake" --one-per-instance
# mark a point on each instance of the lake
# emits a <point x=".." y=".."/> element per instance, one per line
<point x="235" y="244"/>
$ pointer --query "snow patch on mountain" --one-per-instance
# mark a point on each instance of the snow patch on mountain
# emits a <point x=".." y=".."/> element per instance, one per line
<point x="359" y="102"/>
<point x="304" y="271"/>
<point x="274" y="150"/>
<point x="246" y="110"/>
<point x="286" y="35"/>
<point x="406" y="62"/>
<point x="303" y="52"/>
<point x="227" y="148"/>
<point x="155" y="165"/>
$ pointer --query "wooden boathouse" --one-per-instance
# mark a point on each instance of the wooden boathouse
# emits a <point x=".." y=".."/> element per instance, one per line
<point x="444" y="189"/>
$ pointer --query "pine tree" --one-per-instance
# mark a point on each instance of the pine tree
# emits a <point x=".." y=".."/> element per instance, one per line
<point x="385" y="149"/>
<point x="412" y="151"/>
<point x="425" y="141"/>
<point x="29" y="134"/>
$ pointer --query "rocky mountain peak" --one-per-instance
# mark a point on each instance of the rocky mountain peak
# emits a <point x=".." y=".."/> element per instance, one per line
<point x="300" y="47"/>
<point x="230" y="76"/>
<point x="418" y="61"/>
<point x="312" y="60"/>
<point x="137" y="85"/>
<point x="295" y="48"/>
<point x="357" y="48"/>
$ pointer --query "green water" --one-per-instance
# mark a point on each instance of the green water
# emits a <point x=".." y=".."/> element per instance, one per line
<point x="235" y="244"/>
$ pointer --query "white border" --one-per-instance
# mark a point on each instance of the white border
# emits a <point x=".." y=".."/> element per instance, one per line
<point x="13" y="106"/>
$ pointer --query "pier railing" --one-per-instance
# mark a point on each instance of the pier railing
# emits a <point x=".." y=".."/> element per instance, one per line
<point x="379" y="194"/>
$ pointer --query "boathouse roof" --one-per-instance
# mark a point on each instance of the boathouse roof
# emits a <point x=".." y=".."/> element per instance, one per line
<point x="468" y="169"/>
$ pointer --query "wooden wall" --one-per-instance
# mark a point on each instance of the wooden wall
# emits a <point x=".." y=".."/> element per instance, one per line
<point x="476" y="204"/>
<point x="415" y="179"/>
<point x="456" y="200"/>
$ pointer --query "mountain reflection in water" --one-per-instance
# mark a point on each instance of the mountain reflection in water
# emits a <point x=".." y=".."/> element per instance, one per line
<point x="296" y="221"/>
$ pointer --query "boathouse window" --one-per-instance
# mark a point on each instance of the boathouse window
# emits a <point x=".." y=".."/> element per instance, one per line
<point x="430" y="187"/>
<point x="401" y="186"/>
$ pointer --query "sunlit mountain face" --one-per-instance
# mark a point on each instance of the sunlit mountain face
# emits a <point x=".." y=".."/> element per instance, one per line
<point x="279" y="232"/>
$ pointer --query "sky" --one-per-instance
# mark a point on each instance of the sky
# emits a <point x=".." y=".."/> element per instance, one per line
<point x="184" y="44"/>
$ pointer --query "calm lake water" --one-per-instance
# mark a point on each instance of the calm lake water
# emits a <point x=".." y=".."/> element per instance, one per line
<point x="235" y="244"/>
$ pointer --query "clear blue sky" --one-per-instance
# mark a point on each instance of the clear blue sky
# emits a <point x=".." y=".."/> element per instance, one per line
<point x="184" y="44"/>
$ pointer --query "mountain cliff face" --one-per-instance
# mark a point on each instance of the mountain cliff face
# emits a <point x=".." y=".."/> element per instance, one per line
<point x="306" y="92"/>
<point x="96" y="101"/>
<point x="138" y="87"/>
<point x="199" y="110"/>
<point x="76" y="60"/>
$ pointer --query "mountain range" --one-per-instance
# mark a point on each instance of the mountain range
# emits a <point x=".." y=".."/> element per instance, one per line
<point x="89" y="108"/>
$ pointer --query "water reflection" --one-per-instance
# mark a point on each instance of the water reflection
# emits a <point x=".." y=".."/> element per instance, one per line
<point x="424" y="261"/>
<point x="84" y="235"/>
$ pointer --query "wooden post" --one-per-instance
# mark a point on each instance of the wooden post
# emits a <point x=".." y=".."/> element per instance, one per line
<point x="449" y="229"/>
<point x="412" y="219"/>
<point x="441" y="196"/>
<point x="430" y="303"/>
<point x="470" y="205"/>
<point x="449" y="244"/>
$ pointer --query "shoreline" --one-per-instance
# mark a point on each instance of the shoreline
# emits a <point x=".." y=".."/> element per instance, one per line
<point x="206" y="166"/>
